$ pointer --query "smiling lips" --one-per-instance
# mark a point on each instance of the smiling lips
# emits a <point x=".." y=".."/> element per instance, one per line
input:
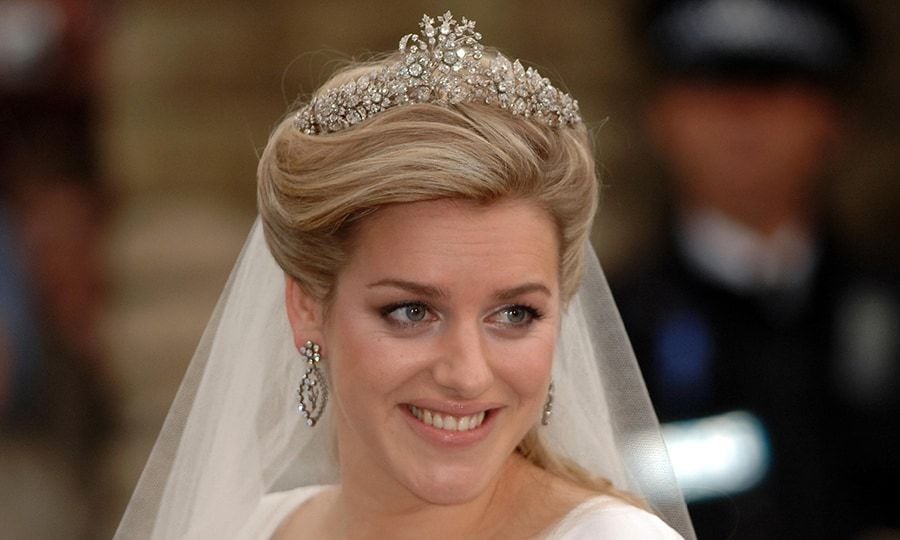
<point x="447" y="422"/>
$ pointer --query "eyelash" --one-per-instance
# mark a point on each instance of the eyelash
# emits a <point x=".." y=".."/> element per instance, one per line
<point x="387" y="310"/>
<point x="532" y="313"/>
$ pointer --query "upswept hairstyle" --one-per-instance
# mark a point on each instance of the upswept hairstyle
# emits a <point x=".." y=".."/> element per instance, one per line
<point x="314" y="189"/>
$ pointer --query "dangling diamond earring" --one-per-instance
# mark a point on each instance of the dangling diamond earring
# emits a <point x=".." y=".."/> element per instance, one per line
<point x="548" y="406"/>
<point x="313" y="390"/>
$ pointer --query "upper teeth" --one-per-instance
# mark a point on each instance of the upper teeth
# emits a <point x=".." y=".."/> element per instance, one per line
<point x="446" y="421"/>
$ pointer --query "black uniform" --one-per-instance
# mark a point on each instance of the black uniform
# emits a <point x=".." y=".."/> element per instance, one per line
<point x="797" y="361"/>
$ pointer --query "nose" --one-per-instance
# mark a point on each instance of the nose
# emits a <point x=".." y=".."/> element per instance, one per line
<point x="463" y="367"/>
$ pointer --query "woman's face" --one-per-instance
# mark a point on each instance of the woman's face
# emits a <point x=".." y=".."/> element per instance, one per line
<point x="439" y="343"/>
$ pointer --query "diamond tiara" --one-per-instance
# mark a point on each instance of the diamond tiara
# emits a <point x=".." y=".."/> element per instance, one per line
<point x="443" y="65"/>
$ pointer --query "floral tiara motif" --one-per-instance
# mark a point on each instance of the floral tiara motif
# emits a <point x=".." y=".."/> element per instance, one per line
<point x="441" y="65"/>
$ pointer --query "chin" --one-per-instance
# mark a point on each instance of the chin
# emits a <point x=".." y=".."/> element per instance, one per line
<point x="451" y="486"/>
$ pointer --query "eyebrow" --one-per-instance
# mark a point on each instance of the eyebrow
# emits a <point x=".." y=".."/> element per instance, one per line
<point x="430" y="291"/>
<point x="509" y="294"/>
<point x="420" y="289"/>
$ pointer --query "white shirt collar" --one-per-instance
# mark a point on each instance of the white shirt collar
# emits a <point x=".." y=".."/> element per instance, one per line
<point x="743" y="259"/>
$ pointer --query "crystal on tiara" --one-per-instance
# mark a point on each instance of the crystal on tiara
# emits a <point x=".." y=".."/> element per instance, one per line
<point x="443" y="64"/>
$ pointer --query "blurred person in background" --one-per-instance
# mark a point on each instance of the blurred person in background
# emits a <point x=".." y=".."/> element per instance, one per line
<point x="55" y="407"/>
<point x="771" y="354"/>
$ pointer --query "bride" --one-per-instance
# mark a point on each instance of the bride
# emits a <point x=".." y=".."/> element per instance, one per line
<point x="421" y="271"/>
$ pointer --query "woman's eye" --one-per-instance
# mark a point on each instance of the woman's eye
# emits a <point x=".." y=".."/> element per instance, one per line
<point x="517" y="315"/>
<point x="407" y="313"/>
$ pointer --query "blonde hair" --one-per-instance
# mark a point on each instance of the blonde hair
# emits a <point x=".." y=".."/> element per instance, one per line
<point x="314" y="190"/>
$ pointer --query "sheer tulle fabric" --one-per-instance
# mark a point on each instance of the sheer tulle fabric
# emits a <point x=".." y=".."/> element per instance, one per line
<point x="233" y="433"/>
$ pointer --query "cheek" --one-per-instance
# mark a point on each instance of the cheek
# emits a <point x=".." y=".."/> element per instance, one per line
<point x="358" y="362"/>
<point x="525" y="367"/>
<point x="367" y="367"/>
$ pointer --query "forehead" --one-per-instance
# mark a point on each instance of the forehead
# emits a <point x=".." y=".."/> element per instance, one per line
<point x="456" y="241"/>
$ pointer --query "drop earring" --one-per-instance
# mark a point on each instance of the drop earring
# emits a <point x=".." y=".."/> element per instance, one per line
<point x="313" y="390"/>
<point x="548" y="406"/>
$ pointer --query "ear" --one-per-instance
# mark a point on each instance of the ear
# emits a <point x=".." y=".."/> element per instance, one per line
<point x="305" y="313"/>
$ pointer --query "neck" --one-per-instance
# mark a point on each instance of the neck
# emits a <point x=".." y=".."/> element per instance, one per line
<point x="367" y="508"/>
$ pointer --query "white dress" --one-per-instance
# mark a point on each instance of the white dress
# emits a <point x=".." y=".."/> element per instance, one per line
<point x="599" y="517"/>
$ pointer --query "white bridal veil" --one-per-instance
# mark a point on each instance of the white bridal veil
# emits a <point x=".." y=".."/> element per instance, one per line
<point x="233" y="433"/>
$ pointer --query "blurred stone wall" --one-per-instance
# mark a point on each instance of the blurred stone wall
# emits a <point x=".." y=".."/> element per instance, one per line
<point x="190" y="90"/>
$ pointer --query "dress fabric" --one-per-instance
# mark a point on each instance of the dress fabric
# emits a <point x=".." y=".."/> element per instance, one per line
<point x="599" y="517"/>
